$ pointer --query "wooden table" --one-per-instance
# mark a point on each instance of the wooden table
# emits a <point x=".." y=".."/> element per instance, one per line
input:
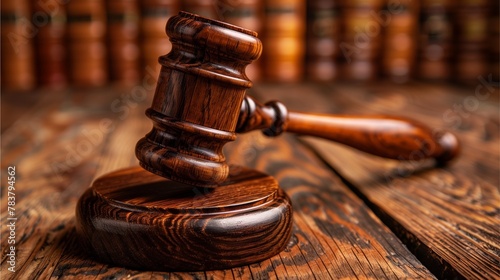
<point x="356" y="216"/>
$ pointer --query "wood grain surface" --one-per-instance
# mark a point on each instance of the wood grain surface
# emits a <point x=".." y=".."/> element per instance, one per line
<point x="448" y="217"/>
<point x="195" y="108"/>
<point x="136" y="219"/>
<point x="60" y="146"/>
<point x="381" y="135"/>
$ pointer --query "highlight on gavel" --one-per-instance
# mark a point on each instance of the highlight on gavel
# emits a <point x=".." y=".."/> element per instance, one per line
<point x="199" y="105"/>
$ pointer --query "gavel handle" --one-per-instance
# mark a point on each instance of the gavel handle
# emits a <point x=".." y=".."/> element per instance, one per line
<point x="384" y="136"/>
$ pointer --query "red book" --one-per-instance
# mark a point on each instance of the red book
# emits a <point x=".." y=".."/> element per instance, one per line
<point x="18" y="59"/>
<point x="154" y="41"/>
<point x="123" y="41"/>
<point x="471" y="40"/>
<point x="323" y="32"/>
<point x="362" y="24"/>
<point x="400" y="42"/>
<point x="435" y="40"/>
<point x="284" y="40"/>
<point x="51" y="52"/>
<point x="204" y="8"/>
<point x="87" y="42"/>
<point x="495" y="42"/>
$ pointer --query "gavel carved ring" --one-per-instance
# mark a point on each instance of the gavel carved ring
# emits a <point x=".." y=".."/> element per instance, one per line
<point x="151" y="220"/>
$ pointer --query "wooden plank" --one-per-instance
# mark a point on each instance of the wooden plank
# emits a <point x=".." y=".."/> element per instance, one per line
<point x="448" y="217"/>
<point x="335" y="234"/>
<point x="13" y="107"/>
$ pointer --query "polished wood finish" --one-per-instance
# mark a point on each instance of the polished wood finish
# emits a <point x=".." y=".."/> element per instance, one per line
<point x="448" y="217"/>
<point x="197" y="99"/>
<point x="173" y="225"/>
<point x="390" y="137"/>
<point x="247" y="14"/>
<point x="136" y="219"/>
<point x="335" y="234"/>
<point x="200" y="102"/>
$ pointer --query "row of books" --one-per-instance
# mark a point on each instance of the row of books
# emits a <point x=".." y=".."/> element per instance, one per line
<point x="56" y="43"/>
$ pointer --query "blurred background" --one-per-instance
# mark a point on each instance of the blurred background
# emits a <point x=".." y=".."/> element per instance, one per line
<point x="90" y="43"/>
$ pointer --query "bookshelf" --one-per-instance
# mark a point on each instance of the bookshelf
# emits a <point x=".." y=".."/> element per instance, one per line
<point x="93" y="43"/>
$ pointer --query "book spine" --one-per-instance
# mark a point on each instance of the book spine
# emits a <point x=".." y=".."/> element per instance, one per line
<point x="247" y="14"/>
<point x="87" y="42"/>
<point x="435" y="41"/>
<point x="323" y="32"/>
<point x="400" y="41"/>
<point x="204" y="8"/>
<point x="154" y="41"/>
<point x="18" y="58"/>
<point x="363" y="24"/>
<point x="471" y="40"/>
<point x="51" y="53"/>
<point x="284" y="40"/>
<point x="123" y="36"/>
<point x="495" y="42"/>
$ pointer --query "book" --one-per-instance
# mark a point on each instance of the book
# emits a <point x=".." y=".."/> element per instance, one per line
<point x="123" y="19"/>
<point x="18" y="58"/>
<point x="400" y="38"/>
<point x="87" y="42"/>
<point x="51" y="52"/>
<point x="435" y="47"/>
<point x="471" y="40"/>
<point x="284" y="40"/>
<point x="247" y="14"/>
<point x="204" y="8"/>
<point x="323" y="36"/>
<point x="494" y="31"/>
<point x="362" y="23"/>
<point x="154" y="40"/>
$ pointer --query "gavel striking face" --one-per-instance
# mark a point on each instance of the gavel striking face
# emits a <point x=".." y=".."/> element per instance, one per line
<point x="200" y="105"/>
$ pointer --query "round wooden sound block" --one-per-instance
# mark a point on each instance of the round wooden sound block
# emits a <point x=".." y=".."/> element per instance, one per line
<point x="137" y="219"/>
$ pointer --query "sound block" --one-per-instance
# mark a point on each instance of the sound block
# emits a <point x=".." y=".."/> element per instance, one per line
<point x="136" y="219"/>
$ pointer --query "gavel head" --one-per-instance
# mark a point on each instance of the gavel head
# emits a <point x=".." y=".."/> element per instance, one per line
<point x="197" y="100"/>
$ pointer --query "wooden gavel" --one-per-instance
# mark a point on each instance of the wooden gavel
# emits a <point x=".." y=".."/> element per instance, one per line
<point x="200" y="104"/>
<point x="134" y="218"/>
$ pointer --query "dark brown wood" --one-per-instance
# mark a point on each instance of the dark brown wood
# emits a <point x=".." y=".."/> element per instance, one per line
<point x="197" y="100"/>
<point x="448" y="217"/>
<point x="134" y="218"/>
<point x="334" y="236"/>
<point x="390" y="137"/>
<point x="201" y="92"/>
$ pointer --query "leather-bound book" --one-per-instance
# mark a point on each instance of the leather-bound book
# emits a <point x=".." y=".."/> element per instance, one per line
<point x="18" y="58"/>
<point x="323" y="37"/>
<point x="435" y="40"/>
<point x="247" y="14"/>
<point x="471" y="40"/>
<point x="361" y="39"/>
<point x="123" y="41"/>
<point x="284" y="40"/>
<point x="87" y="42"/>
<point x="51" y="52"/>
<point x="400" y="41"/>
<point x="154" y="40"/>
<point x="204" y="8"/>
<point x="495" y="42"/>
